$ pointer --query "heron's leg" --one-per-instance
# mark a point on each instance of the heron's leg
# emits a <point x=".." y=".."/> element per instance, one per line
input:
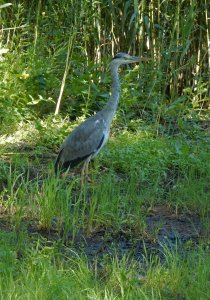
<point x="87" y="165"/>
<point x="84" y="172"/>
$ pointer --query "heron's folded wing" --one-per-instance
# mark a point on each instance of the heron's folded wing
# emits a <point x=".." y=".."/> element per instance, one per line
<point x="85" y="140"/>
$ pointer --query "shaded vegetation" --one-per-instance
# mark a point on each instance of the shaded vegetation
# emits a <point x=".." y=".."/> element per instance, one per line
<point x="35" y="38"/>
<point x="140" y="228"/>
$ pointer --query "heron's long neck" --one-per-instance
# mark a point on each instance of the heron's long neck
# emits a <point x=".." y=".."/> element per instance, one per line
<point x="111" y="106"/>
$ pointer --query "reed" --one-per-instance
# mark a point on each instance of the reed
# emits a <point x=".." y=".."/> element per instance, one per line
<point x="173" y="34"/>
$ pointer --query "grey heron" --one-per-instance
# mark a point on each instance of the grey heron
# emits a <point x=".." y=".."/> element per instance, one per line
<point x="86" y="140"/>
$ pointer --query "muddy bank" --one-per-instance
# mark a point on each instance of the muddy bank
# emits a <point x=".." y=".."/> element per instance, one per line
<point x="163" y="229"/>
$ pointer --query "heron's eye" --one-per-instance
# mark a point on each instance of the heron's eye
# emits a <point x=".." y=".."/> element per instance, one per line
<point x="118" y="55"/>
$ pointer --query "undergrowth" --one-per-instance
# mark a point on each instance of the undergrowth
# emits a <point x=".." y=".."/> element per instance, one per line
<point x="107" y="239"/>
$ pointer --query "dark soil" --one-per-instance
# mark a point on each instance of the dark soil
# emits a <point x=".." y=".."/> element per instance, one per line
<point x="163" y="229"/>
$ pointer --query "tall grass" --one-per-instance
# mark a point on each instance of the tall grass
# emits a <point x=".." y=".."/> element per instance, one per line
<point x="146" y="173"/>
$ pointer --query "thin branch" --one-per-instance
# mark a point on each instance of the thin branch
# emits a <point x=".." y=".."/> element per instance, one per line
<point x="67" y="66"/>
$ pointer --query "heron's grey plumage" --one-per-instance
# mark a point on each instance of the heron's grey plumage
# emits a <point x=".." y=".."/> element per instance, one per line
<point x="86" y="140"/>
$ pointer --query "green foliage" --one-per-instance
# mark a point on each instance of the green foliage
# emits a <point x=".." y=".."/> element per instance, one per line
<point x="155" y="169"/>
<point x="42" y="274"/>
<point x="157" y="154"/>
<point x="36" y="36"/>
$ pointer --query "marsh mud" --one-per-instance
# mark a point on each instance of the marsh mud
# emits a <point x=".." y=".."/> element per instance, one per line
<point x="164" y="230"/>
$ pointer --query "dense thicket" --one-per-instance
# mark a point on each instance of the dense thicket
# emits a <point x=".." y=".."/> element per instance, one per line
<point x="46" y="45"/>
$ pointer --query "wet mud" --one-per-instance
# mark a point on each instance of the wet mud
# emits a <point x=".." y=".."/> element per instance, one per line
<point x="164" y="229"/>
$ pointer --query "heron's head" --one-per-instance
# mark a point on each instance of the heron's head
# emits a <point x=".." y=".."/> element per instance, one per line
<point x="124" y="58"/>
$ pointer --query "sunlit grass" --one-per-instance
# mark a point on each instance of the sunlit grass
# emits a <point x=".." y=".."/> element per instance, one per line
<point x="45" y="220"/>
<point x="44" y="273"/>
<point x="141" y="170"/>
<point x="61" y="240"/>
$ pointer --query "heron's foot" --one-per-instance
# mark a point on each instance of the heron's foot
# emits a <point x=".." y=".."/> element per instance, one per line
<point x="67" y="175"/>
<point x="104" y="169"/>
<point x="89" y="180"/>
<point x="86" y="179"/>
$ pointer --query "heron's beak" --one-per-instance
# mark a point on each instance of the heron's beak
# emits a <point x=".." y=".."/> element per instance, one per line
<point x="139" y="58"/>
